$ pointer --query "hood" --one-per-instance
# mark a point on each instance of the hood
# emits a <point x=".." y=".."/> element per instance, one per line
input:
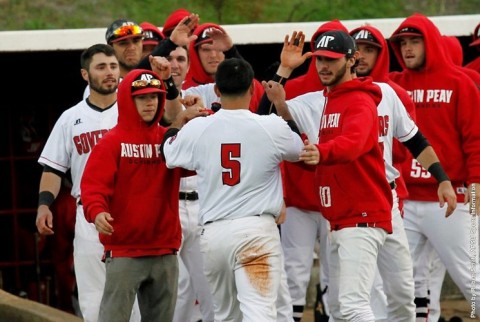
<point x="435" y="56"/>
<point x="381" y="69"/>
<point x="363" y="84"/>
<point x="310" y="81"/>
<point x="128" y="117"/>
<point x="453" y="49"/>
<point x="196" y="75"/>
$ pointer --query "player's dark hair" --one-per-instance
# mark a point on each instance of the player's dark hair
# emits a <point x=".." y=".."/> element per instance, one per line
<point x="87" y="54"/>
<point x="234" y="77"/>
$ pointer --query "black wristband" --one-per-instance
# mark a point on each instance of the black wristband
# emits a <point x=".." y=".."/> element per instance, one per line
<point x="45" y="198"/>
<point x="437" y="172"/>
<point x="172" y="91"/>
<point x="279" y="79"/>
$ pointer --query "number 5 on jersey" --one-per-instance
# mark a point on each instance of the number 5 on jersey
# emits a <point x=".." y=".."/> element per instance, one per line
<point x="229" y="152"/>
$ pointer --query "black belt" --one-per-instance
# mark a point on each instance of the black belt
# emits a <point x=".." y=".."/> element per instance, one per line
<point x="190" y="196"/>
<point x="393" y="185"/>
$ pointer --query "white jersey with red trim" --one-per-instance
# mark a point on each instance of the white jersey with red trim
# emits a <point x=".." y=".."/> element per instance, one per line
<point x="394" y="122"/>
<point x="236" y="155"/>
<point x="73" y="137"/>
<point x="206" y="92"/>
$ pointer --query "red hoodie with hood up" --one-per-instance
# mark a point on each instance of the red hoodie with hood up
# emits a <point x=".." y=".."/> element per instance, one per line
<point x="196" y="74"/>
<point x="351" y="173"/>
<point x="446" y="108"/>
<point x="126" y="176"/>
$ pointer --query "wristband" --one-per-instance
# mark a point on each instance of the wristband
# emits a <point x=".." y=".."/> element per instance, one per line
<point x="437" y="172"/>
<point x="45" y="198"/>
<point x="279" y="79"/>
<point x="172" y="91"/>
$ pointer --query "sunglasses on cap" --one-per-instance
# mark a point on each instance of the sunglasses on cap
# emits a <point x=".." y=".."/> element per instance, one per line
<point x="128" y="30"/>
<point x="141" y="83"/>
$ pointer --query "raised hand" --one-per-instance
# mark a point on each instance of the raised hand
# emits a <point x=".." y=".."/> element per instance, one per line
<point x="182" y="34"/>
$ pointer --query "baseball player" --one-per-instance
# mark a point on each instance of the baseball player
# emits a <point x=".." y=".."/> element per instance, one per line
<point x="394" y="257"/>
<point x="240" y="194"/>
<point x="445" y="101"/>
<point x="352" y="232"/>
<point x="68" y="147"/>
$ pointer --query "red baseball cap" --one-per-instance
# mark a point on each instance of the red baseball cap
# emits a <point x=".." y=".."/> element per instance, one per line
<point x="151" y="34"/>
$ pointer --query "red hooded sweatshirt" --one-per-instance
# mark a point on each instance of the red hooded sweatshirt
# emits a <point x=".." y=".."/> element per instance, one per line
<point x="196" y="74"/>
<point x="127" y="177"/>
<point x="446" y="105"/>
<point x="298" y="180"/>
<point x="379" y="73"/>
<point x="351" y="174"/>
<point x="454" y="51"/>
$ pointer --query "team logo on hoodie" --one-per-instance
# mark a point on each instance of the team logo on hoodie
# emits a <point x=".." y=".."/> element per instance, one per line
<point x="431" y="95"/>
<point x="141" y="153"/>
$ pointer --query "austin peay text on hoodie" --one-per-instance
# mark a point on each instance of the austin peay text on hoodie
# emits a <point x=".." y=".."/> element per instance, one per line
<point x="141" y="153"/>
<point x="431" y="97"/>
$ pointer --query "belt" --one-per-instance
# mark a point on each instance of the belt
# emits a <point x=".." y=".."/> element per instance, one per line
<point x="190" y="196"/>
<point x="392" y="184"/>
<point x="360" y="225"/>
<point x="211" y="221"/>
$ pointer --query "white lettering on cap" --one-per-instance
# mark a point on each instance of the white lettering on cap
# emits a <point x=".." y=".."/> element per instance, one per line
<point x="362" y="34"/>
<point x="204" y="33"/>
<point x="323" y="43"/>
<point x="146" y="77"/>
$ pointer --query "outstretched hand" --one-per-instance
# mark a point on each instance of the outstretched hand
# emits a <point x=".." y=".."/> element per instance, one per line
<point x="275" y="92"/>
<point x="102" y="223"/>
<point x="221" y="40"/>
<point x="182" y="34"/>
<point x="310" y="154"/>
<point x="291" y="56"/>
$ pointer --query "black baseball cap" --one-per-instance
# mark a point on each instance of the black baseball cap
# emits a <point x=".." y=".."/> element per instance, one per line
<point x="123" y="29"/>
<point x="203" y="38"/>
<point x="363" y="36"/>
<point x="334" y="44"/>
<point x="406" y="32"/>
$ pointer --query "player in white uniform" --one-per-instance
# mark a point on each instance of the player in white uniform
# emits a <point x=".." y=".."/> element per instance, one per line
<point x="394" y="260"/>
<point x="236" y="155"/>
<point x="69" y="145"/>
<point x="192" y="283"/>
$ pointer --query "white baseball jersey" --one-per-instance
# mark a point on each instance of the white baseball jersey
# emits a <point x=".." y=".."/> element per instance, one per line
<point x="205" y="91"/>
<point x="73" y="137"/>
<point x="395" y="122"/>
<point x="236" y="155"/>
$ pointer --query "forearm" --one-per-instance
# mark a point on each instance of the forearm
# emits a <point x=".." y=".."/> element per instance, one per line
<point x="428" y="160"/>
<point x="50" y="182"/>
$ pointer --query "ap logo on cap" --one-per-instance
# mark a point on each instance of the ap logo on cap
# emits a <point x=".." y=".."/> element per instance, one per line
<point x="323" y="43"/>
